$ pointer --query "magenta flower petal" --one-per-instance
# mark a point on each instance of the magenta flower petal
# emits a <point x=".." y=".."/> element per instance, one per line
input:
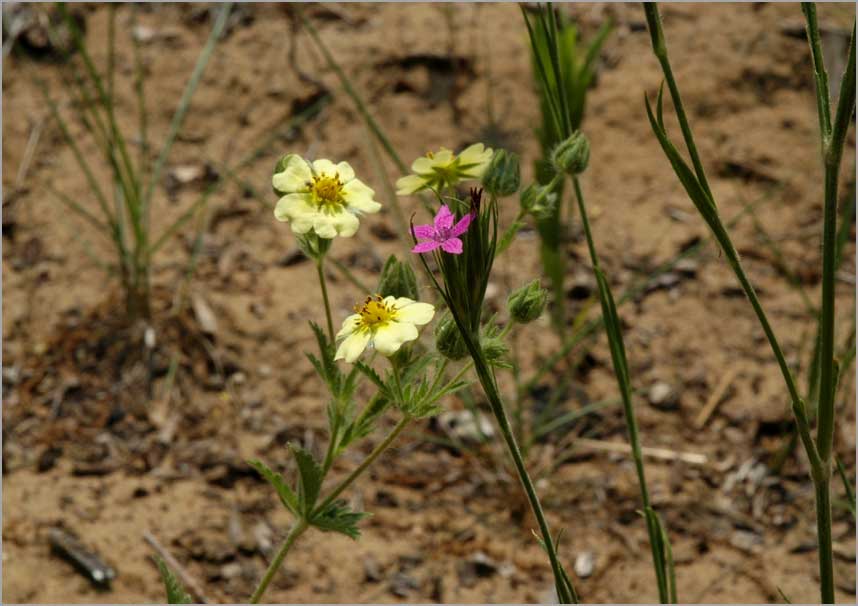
<point x="462" y="226"/>
<point x="424" y="247"/>
<point x="423" y="231"/>
<point x="452" y="246"/>
<point x="444" y="219"/>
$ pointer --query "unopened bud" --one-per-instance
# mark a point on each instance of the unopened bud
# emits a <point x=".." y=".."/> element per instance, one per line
<point x="527" y="303"/>
<point x="538" y="200"/>
<point x="398" y="280"/>
<point x="503" y="174"/>
<point x="448" y="339"/>
<point x="571" y="156"/>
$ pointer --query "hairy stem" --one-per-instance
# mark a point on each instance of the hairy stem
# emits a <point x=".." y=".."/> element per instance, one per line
<point x="296" y="531"/>
<point x="371" y="457"/>
<point x="320" y="270"/>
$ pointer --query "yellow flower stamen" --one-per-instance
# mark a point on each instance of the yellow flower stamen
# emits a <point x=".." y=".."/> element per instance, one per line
<point x="327" y="191"/>
<point x="374" y="311"/>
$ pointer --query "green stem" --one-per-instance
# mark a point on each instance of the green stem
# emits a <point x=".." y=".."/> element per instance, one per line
<point x="612" y="330"/>
<point x="490" y="388"/>
<point x="403" y="423"/>
<point x="296" y="531"/>
<point x="320" y="269"/>
<point x="823" y="530"/>
<point x="659" y="47"/>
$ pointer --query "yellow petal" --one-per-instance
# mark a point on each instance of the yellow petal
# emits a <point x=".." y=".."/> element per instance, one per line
<point x="413" y="311"/>
<point x="352" y="347"/>
<point x="324" y="167"/>
<point x="474" y="160"/>
<point x="409" y="184"/>
<point x="360" y="197"/>
<point x="388" y="338"/>
<point x="294" y="177"/>
<point x="350" y="324"/>
<point x="329" y="225"/>
<point x="345" y="172"/>
<point x="297" y="209"/>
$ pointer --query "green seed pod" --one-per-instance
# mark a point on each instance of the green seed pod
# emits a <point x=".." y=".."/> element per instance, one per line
<point x="494" y="349"/>
<point x="527" y="303"/>
<point x="398" y="280"/>
<point x="537" y="200"/>
<point x="448" y="339"/>
<point x="503" y="174"/>
<point x="571" y="156"/>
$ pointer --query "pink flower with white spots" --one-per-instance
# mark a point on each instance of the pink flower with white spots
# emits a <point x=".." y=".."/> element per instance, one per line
<point x="443" y="233"/>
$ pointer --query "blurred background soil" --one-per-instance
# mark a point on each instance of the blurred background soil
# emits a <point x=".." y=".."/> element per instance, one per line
<point x="110" y="448"/>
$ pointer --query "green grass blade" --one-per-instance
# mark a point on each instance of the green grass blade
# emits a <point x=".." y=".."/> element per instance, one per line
<point x="355" y="97"/>
<point x="184" y="104"/>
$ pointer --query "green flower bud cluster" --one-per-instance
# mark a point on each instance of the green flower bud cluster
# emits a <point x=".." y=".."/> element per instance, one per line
<point x="398" y="280"/>
<point x="503" y="174"/>
<point x="527" y="303"/>
<point x="571" y="156"/>
<point x="538" y="200"/>
<point x="448" y="339"/>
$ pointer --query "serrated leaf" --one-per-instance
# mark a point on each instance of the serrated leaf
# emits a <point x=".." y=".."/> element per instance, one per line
<point x="176" y="594"/>
<point x="364" y="423"/>
<point x="337" y="517"/>
<point x="373" y="376"/>
<point x="286" y="494"/>
<point x="310" y="476"/>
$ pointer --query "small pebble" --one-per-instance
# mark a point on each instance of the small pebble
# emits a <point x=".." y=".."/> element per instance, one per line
<point x="584" y="564"/>
<point x="663" y="396"/>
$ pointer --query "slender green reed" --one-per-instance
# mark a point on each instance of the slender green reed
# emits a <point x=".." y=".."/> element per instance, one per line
<point x="833" y="136"/>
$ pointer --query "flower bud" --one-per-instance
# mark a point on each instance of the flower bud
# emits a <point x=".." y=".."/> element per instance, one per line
<point x="493" y="346"/>
<point x="538" y="200"/>
<point x="448" y="339"/>
<point x="398" y="280"/>
<point x="527" y="303"/>
<point x="503" y="175"/>
<point x="571" y="156"/>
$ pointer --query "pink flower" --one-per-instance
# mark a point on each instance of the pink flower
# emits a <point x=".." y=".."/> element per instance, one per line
<point x="443" y="233"/>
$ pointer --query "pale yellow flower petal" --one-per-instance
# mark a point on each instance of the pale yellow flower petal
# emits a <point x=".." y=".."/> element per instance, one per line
<point x="390" y="337"/>
<point x="423" y="165"/>
<point x="298" y="210"/>
<point x="350" y="324"/>
<point x="413" y="312"/>
<point x="294" y="177"/>
<point x="410" y="184"/>
<point x="352" y="346"/>
<point x="345" y="172"/>
<point x="474" y="160"/>
<point x="323" y="166"/>
<point x="331" y="225"/>
<point x="360" y="197"/>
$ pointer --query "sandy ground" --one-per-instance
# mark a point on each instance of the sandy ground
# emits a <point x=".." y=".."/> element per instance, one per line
<point x="739" y="534"/>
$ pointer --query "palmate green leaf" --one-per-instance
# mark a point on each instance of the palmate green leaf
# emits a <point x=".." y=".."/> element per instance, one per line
<point x="371" y="374"/>
<point x="310" y="476"/>
<point x="176" y="594"/>
<point x="286" y="494"/>
<point x="363" y="425"/>
<point x="337" y="517"/>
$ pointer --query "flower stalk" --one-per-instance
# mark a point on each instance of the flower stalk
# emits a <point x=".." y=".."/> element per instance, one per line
<point x="819" y="451"/>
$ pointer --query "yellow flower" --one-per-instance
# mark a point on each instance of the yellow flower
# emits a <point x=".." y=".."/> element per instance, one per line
<point x="322" y="196"/>
<point x="385" y="323"/>
<point x="445" y="169"/>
